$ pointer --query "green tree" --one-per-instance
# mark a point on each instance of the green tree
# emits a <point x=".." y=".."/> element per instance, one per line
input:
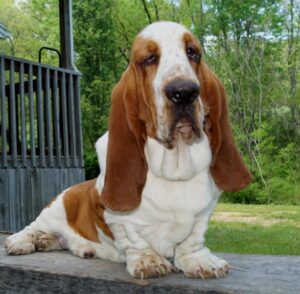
<point x="97" y="59"/>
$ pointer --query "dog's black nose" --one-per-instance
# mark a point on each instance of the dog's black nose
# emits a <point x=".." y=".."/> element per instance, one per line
<point x="182" y="91"/>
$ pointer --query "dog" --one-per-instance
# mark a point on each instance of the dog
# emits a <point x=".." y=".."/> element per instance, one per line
<point x="168" y="155"/>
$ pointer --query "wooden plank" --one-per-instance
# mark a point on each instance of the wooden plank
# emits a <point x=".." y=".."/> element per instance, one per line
<point x="40" y="118"/>
<point x="56" y="121"/>
<point x="23" y="193"/>
<point x="71" y="119"/>
<point x="75" y="176"/>
<point x="36" y="191"/>
<point x="64" y="178"/>
<point x="4" y="201"/>
<point x="12" y="114"/>
<point x="57" y="190"/>
<point x="50" y="185"/>
<point x="80" y="175"/>
<point x="18" y="199"/>
<point x="31" y="117"/>
<point x="52" y="190"/>
<point x="23" y="116"/>
<point x="47" y="186"/>
<point x="64" y="116"/>
<point x="3" y="115"/>
<point x="48" y="125"/>
<point x="71" y="176"/>
<point x="28" y="197"/>
<point x="83" y="174"/>
<point x="44" y="182"/>
<point x="14" y="201"/>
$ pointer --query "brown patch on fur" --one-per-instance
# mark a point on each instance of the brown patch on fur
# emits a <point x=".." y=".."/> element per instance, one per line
<point x="132" y="119"/>
<point x="145" y="74"/>
<point x="227" y="168"/>
<point x="190" y="40"/>
<point x="84" y="210"/>
<point x="126" y="165"/>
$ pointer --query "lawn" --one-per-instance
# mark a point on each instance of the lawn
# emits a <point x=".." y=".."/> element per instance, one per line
<point x="256" y="229"/>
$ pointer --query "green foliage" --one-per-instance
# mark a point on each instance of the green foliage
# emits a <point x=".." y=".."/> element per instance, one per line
<point x="252" y="46"/>
<point x="33" y="24"/>
<point x="97" y="58"/>
<point x="91" y="169"/>
<point x="276" y="170"/>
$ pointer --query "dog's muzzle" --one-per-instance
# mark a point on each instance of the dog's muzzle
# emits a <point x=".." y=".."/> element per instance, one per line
<point x="183" y="111"/>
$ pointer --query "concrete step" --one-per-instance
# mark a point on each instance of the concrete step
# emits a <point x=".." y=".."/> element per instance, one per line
<point x="61" y="272"/>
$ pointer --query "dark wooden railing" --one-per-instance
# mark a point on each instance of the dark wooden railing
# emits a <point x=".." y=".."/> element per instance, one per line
<point x="39" y="115"/>
<point x="40" y="138"/>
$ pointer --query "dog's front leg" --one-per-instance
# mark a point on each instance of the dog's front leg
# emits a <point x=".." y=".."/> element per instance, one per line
<point x="194" y="259"/>
<point x="141" y="259"/>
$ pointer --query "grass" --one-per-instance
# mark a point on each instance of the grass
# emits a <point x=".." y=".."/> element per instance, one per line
<point x="255" y="229"/>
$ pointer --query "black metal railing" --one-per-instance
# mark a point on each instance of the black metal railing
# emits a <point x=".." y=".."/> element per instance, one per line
<point x="39" y="115"/>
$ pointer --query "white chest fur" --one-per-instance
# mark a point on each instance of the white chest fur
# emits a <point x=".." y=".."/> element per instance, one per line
<point x="178" y="191"/>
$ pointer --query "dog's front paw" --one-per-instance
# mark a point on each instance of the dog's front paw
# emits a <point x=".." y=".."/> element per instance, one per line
<point x="20" y="243"/>
<point x="149" y="266"/>
<point x="202" y="264"/>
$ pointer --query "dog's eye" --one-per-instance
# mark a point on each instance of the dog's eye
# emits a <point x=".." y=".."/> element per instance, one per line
<point x="151" y="59"/>
<point x="193" y="54"/>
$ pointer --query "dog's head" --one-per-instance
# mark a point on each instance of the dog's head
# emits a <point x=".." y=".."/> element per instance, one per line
<point x="168" y="57"/>
<point x="167" y="93"/>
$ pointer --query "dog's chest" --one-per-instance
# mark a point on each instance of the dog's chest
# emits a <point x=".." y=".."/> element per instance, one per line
<point x="174" y="196"/>
<point x="166" y="216"/>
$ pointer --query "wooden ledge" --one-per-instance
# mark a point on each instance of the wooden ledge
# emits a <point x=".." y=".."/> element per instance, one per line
<point x="61" y="272"/>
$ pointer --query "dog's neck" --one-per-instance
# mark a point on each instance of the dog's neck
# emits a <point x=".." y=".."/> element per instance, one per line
<point x="180" y="163"/>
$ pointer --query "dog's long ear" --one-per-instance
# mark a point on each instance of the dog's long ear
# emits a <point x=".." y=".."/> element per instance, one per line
<point x="227" y="168"/>
<point x="126" y="166"/>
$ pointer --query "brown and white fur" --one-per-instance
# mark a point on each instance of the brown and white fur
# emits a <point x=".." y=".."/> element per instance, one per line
<point x="163" y="167"/>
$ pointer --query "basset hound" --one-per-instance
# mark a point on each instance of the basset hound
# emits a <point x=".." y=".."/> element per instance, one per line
<point x="168" y="155"/>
